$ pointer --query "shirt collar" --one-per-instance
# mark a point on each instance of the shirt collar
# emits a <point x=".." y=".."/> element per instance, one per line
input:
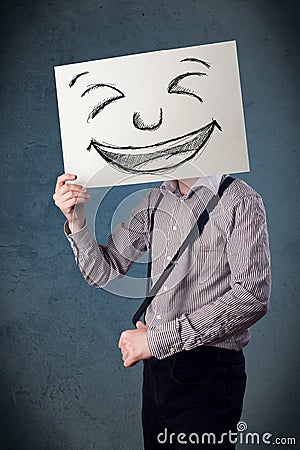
<point x="212" y="182"/>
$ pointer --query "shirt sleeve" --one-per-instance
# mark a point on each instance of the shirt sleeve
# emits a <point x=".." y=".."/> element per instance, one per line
<point x="245" y="302"/>
<point x="100" y="264"/>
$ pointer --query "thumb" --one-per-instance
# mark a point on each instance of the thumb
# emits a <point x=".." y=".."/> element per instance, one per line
<point x="140" y="325"/>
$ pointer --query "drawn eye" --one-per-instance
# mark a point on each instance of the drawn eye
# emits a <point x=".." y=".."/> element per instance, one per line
<point x="174" y="86"/>
<point x="116" y="94"/>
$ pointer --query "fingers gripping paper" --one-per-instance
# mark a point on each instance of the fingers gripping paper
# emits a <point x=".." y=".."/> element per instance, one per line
<point x="153" y="116"/>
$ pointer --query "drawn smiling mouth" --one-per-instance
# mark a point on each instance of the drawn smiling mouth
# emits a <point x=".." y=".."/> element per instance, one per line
<point x="161" y="157"/>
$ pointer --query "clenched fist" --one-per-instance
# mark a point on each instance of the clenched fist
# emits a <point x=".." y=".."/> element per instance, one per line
<point x="134" y="345"/>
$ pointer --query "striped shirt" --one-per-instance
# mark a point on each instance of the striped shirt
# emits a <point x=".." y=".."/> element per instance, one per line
<point x="221" y="283"/>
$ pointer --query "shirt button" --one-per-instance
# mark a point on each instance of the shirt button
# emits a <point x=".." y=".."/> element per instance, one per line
<point x="169" y="257"/>
<point x="199" y="342"/>
<point x="174" y="227"/>
<point x="165" y="288"/>
<point x="158" y="316"/>
<point x="172" y="349"/>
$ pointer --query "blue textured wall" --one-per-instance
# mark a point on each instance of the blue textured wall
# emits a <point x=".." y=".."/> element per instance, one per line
<point x="62" y="383"/>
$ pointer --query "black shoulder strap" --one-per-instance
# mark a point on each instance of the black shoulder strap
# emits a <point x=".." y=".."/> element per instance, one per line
<point x="195" y="231"/>
<point x="151" y="226"/>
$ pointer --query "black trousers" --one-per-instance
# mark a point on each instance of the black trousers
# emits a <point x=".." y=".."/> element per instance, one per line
<point x="193" y="399"/>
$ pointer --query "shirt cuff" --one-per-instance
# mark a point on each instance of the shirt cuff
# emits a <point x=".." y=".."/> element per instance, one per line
<point x="176" y="336"/>
<point x="206" y="334"/>
<point x="189" y="336"/>
<point x="165" y="339"/>
<point x="68" y="232"/>
<point x="80" y="239"/>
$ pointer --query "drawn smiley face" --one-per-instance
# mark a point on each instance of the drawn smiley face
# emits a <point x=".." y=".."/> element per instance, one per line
<point x="161" y="156"/>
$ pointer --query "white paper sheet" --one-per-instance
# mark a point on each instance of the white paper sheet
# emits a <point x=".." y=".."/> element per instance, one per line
<point x="153" y="116"/>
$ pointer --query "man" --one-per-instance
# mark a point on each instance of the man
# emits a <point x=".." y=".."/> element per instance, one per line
<point x="197" y="325"/>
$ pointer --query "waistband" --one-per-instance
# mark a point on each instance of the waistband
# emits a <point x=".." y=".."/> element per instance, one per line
<point x="210" y="357"/>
